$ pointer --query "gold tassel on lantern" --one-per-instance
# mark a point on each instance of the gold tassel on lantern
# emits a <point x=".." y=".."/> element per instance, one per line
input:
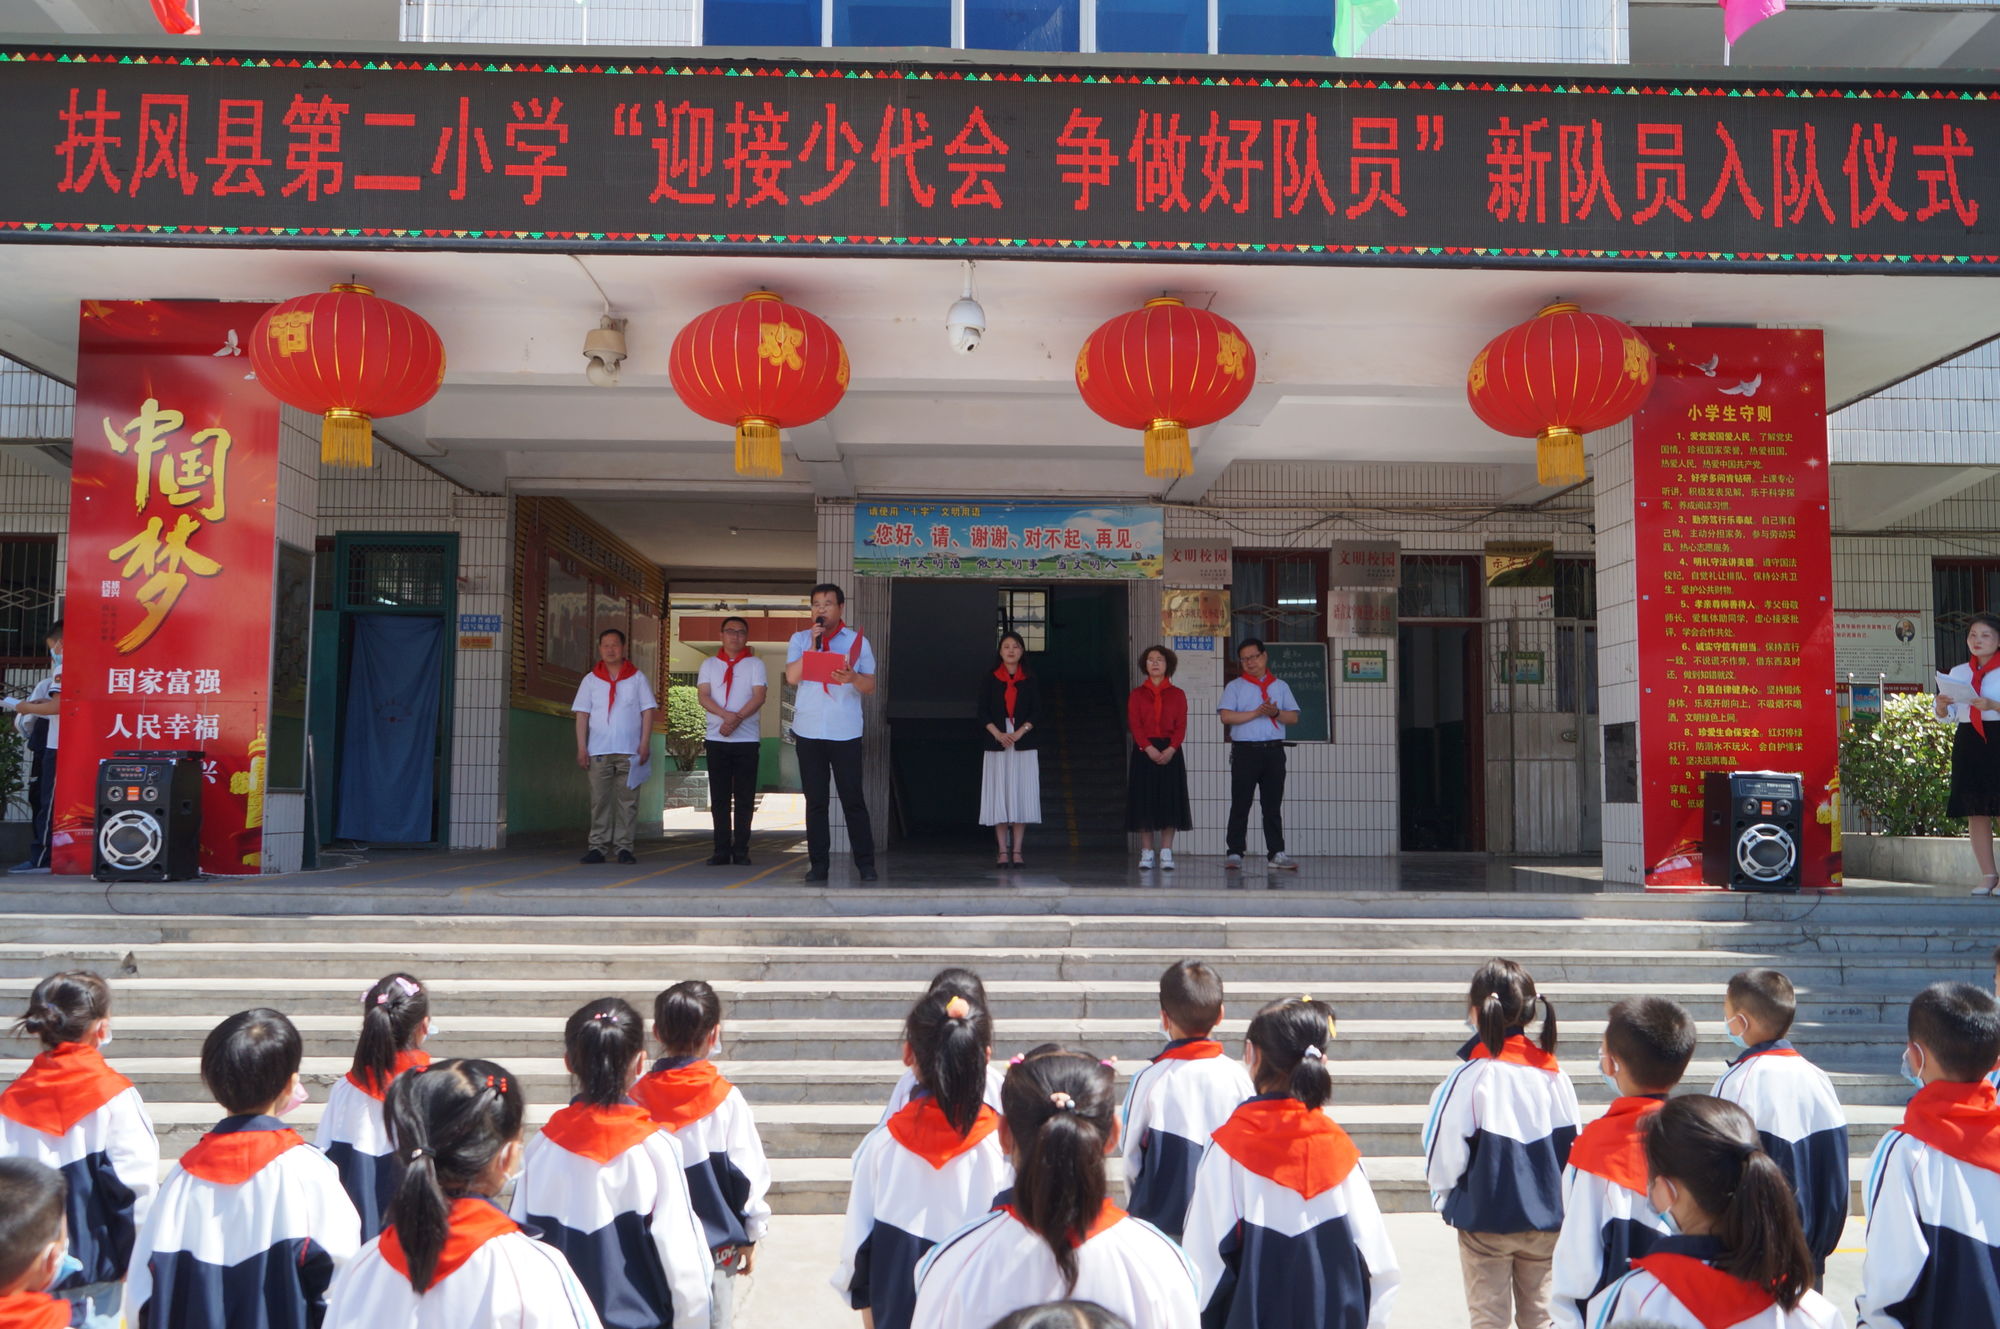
<point x="346" y="439"/>
<point x="1168" y="456"/>
<point x="757" y="451"/>
<point x="1559" y="456"/>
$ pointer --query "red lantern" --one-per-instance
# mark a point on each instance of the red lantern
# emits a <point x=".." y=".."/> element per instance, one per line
<point x="350" y="356"/>
<point x="1166" y="369"/>
<point x="1557" y="377"/>
<point x="761" y="365"/>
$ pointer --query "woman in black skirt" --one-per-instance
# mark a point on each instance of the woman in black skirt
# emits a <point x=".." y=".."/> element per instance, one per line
<point x="1975" y="750"/>
<point x="1156" y="792"/>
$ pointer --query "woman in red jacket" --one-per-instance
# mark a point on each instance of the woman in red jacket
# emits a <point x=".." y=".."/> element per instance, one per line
<point x="1157" y="793"/>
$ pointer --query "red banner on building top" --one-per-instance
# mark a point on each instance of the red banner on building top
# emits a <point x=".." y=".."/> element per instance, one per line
<point x="173" y="500"/>
<point x="1735" y="574"/>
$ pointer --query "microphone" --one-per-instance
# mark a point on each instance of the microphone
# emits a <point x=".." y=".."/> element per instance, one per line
<point x="819" y="631"/>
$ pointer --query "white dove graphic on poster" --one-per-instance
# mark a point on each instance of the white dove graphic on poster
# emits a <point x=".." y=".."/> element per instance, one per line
<point x="230" y="346"/>
<point x="1709" y="368"/>
<point x="1747" y="388"/>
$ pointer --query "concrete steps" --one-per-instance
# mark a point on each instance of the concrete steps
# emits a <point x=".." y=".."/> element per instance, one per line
<point x="814" y="1005"/>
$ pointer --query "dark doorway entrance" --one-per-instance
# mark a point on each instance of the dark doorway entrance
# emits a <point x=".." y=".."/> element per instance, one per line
<point x="1439" y="710"/>
<point x="941" y="637"/>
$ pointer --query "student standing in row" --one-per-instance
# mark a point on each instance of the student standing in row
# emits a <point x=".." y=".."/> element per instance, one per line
<point x="1256" y="707"/>
<point x="732" y="686"/>
<point x="1177" y="1103"/>
<point x="1010" y="706"/>
<point x="1156" y="792"/>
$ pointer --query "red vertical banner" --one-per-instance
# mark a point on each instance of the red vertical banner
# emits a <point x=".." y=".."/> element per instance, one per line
<point x="172" y="540"/>
<point x="1734" y="543"/>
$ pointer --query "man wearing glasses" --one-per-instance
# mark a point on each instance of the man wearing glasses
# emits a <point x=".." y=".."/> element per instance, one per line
<point x="732" y="685"/>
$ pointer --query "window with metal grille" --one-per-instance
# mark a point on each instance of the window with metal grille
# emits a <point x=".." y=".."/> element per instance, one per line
<point x="387" y="577"/>
<point x="1278" y="594"/>
<point x="1026" y="612"/>
<point x="1439" y="586"/>
<point x="1576" y="588"/>
<point x="28" y="599"/>
<point x="1576" y="635"/>
<point x="1960" y="588"/>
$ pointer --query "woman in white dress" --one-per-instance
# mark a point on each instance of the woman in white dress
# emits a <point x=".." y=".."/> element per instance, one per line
<point x="1009" y="708"/>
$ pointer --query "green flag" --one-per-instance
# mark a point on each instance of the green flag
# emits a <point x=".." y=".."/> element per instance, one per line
<point x="1355" y="21"/>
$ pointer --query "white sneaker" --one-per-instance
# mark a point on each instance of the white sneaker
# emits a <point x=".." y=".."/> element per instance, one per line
<point x="1282" y="861"/>
<point x="1145" y="859"/>
<point x="1166" y="860"/>
<point x="1233" y="863"/>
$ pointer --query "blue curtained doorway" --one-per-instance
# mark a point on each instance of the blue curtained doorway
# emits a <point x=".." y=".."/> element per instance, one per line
<point x="388" y="753"/>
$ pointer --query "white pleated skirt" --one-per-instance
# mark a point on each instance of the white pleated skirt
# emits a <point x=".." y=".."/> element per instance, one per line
<point x="1011" y="790"/>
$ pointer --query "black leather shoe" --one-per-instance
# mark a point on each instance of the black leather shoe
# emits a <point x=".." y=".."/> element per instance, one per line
<point x="626" y="857"/>
<point x="594" y="856"/>
<point x="740" y="860"/>
<point x="866" y="874"/>
<point x="815" y="874"/>
<point x="718" y="860"/>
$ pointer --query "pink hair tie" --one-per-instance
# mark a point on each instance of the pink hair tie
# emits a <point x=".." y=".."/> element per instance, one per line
<point x="1017" y="1059"/>
<point x="958" y="1008"/>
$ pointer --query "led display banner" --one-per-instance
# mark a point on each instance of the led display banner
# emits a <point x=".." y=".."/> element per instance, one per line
<point x="1735" y="580"/>
<point x="173" y="504"/>
<point x="1591" y="167"/>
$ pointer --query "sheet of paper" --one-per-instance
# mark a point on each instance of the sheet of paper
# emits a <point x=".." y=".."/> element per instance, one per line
<point x="642" y="771"/>
<point x="1955" y="692"/>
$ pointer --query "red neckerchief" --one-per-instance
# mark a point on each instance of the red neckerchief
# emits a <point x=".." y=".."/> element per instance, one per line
<point x="922" y="1128"/>
<point x="1614" y="1146"/>
<point x="1190" y="1049"/>
<point x="853" y="648"/>
<point x="1159" y="691"/>
<point x="1517" y="1051"/>
<point x="625" y="671"/>
<point x="1013" y="682"/>
<point x="1283" y="1140"/>
<point x="61" y="1087"/>
<point x="600" y="1134"/>
<point x="1262" y="682"/>
<point x="1980" y="671"/>
<point x="411" y="1059"/>
<point x="233" y="1158"/>
<point x="34" y="1310"/>
<point x="474" y="1222"/>
<point x="1715" y="1298"/>
<point x="1958" y="1120"/>
<point x="682" y="1094"/>
<point x="729" y="671"/>
<point x="1108" y="1216"/>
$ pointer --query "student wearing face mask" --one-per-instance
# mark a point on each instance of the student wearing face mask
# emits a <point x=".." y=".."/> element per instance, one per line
<point x="33" y="1245"/>
<point x="38" y="718"/>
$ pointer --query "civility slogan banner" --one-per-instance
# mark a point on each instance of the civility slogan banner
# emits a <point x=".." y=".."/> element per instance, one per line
<point x="173" y="498"/>
<point x="1294" y="162"/>
<point x="1735" y="578"/>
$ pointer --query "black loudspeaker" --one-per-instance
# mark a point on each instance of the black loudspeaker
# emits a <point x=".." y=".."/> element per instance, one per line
<point x="148" y="817"/>
<point x="1752" y="830"/>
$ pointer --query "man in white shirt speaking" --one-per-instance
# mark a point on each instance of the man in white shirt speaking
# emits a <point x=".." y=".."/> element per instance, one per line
<point x="826" y="722"/>
<point x="614" y="727"/>
<point x="732" y="686"/>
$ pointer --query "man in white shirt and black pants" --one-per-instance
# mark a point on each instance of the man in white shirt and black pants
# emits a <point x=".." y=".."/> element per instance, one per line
<point x="614" y="727"/>
<point x="1256" y="707"/>
<point x="826" y="723"/>
<point x="38" y="716"/>
<point x="732" y="686"/>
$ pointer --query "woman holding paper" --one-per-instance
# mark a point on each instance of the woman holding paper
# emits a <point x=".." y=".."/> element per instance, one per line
<point x="1009" y="706"/>
<point x="1975" y="750"/>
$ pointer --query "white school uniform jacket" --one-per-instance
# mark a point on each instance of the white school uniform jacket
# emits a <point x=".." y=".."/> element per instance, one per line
<point x="997" y="1265"/>
<point x="1172" y="1107"/>
<point x="727" y="1174"/>
<point x="246" y="1233"/>
<point x="74" y="1113"/>
<point x="607" y="1187"/>
<point x="354" y="1136"/>
<point x="1607" y="1222"/>
<point x="492" y="1275"/>
<point x="1284" y="1231"/>
<point x="1677" y="1286"/>
<point x="1800" y="1120"/>
<point x="906" y="1089"/>
<point x="1498" y="1138"/>
<point x="1933" y="1200"/>
<point x="916" y="1181"/>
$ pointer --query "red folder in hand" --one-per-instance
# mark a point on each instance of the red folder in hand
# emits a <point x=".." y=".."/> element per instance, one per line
<point x="818" y="666"/>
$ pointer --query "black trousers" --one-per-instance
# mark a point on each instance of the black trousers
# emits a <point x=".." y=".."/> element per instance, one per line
<point x="732" y="793"/>
<point x="836" y="761"/>
<point x="1257" y="770"/>
<point x="42" y="804"/>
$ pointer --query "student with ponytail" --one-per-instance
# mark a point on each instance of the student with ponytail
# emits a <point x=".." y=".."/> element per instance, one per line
<point x="1283" y="1229"/>
<point x="607" y="1187"/>
<point x="1739" y="1260"/>
<point x="1057" y="1236"/>
<point x="1495" y="1144"/>
<point x="71" y="1111"/>
<point x="933" y="1166"/>
<point x="395" y="1021"/>
<point x="449" y="1257"/>
<point x="952" y="981"/>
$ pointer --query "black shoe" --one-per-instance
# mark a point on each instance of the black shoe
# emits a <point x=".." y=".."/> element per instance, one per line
<point x="626" y="857"/>
<point x="594" y="856"/>
<point x="718" y="860"/>
<point x="740" y="860"/>
<point x="866" y="874"/>
<point x="815" y="874"/>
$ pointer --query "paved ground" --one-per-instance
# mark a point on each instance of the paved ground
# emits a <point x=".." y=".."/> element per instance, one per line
<point x="801" y="1252"/>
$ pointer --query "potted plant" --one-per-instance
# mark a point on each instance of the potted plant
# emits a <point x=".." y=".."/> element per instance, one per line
<point x="687" y="733"/>
<point x="1896" y="772"/>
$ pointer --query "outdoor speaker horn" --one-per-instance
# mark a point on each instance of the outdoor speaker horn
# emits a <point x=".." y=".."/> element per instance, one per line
<point x="148" y="817"/>
<point x="1752" y="830"/>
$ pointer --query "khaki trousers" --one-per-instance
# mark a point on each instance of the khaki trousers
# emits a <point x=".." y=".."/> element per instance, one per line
<point x="1507" y="1272"/>
<point x="614" y="809"/>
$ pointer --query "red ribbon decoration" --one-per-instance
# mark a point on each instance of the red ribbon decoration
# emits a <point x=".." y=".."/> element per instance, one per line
<point x="175" y="18"/>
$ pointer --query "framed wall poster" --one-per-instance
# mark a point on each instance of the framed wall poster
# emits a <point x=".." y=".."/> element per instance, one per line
<point x="1525" y="667"/>
<point x="1364" y="666"/>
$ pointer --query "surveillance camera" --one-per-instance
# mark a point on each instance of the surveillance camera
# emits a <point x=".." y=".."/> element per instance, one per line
<point x="966" y="324"/>
<point x="604" y="349"/>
